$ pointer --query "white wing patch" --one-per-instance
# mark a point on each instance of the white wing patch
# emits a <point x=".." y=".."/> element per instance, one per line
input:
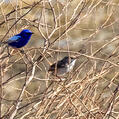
<point x="70" y="66"/>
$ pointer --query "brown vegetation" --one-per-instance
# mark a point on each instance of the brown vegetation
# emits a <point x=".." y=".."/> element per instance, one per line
<point x="84" y="28"/>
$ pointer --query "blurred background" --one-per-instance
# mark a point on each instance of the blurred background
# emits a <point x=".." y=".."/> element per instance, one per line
<point x="88" y="29"/>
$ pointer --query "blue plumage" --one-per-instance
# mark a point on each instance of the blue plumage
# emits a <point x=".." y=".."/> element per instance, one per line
<point x="21" y="39"/>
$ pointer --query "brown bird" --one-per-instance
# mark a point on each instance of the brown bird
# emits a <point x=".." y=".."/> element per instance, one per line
<point x="63" y="66"/>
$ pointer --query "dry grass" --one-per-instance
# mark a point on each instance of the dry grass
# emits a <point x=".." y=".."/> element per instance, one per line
<point x="85" y="28"/>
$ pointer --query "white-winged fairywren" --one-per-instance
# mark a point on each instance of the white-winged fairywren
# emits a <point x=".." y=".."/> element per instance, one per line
<point x="63" y="66"/>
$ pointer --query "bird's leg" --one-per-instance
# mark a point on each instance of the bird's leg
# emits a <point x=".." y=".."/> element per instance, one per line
<point x="8" y="51"/>
<point x="22" y="51"/>
<point x="60" y="80"/>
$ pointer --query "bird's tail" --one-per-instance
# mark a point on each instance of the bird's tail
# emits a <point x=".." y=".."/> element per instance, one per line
<point x="4" y="42"/>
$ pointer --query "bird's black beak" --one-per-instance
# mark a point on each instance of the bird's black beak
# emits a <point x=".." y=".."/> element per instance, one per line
<point x="32" y="33"/>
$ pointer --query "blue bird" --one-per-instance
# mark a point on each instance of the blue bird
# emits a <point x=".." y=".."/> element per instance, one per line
<point x="21" y="39"/>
